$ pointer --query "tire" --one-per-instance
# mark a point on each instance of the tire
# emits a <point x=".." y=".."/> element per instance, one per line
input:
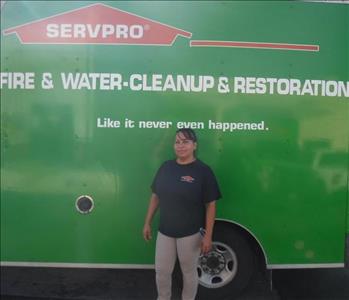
<point x="228" y="268"/>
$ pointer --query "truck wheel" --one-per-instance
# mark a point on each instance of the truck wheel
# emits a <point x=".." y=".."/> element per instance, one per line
<point x="228" y="268"/>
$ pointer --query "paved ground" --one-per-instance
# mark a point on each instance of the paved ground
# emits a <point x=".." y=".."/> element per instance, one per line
<point x="315" y="284"/>
<point x="86" y="284"/>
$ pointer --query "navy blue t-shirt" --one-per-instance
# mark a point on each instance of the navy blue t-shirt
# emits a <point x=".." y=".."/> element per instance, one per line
<point x="183" y="191"/>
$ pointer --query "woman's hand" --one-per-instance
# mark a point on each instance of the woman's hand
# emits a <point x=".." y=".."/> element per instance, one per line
<point x="153" y="206"/>
<point x="147" y="232"/>
<point x="206" y="244"/>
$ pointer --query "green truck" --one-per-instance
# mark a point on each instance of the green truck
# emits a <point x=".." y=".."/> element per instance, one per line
<point x="92" y="93"/>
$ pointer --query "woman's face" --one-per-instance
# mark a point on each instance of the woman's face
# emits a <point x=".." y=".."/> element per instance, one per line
<point x="184" y="148"/>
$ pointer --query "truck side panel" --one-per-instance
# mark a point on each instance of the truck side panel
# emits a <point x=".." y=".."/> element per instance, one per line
<point x="286" y="180"/>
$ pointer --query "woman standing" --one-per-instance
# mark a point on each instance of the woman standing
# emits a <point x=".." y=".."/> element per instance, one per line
<point x="185" y="190"/>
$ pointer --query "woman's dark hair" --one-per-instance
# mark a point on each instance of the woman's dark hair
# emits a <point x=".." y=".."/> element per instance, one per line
<point x="188" y="133"/>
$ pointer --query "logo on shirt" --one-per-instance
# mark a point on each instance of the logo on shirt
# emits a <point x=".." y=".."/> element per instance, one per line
<point x="187" y="179"/>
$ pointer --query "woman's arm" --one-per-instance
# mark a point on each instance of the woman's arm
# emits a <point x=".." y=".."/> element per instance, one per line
<point x="206" y="244"/>
<point x="152" y="208"/>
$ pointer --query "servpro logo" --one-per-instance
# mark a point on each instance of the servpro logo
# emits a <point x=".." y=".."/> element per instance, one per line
<point x="188" y="179"/>
<point x="97" y="24"/>
<point x="102" y="24"/>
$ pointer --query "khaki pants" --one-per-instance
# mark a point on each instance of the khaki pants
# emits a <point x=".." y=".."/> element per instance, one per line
<point x="188" y="251"/>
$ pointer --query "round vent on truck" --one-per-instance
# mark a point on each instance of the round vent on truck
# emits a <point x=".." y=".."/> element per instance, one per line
<point x="84" y="204"/>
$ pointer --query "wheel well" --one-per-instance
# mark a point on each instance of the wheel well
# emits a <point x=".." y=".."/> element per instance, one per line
<point x="250" y="238"/>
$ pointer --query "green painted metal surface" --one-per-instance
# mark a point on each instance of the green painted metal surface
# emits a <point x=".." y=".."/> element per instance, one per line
<point x="288" y="185"/>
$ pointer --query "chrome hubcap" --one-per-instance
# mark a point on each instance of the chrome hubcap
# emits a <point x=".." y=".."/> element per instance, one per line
<point x="218" y="267"/>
